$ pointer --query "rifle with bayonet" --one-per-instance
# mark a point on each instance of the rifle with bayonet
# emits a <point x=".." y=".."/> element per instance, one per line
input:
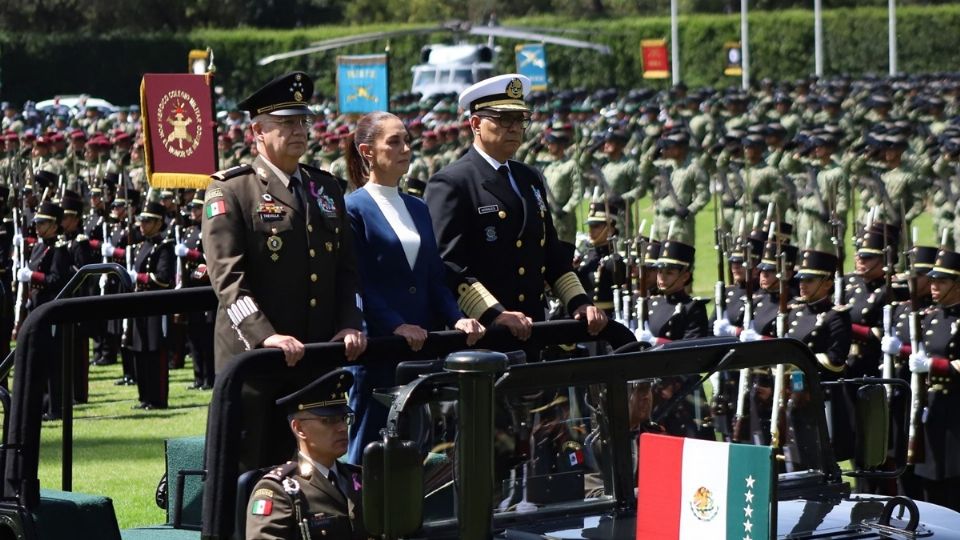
<point x="740" y="431"/>
<point x="777" y="416"/>
<point x="887" y="368"/>
<point x="918" y="381"/>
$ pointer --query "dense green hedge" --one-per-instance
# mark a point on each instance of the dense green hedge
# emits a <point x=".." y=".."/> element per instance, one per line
<point x="36" y="66"/>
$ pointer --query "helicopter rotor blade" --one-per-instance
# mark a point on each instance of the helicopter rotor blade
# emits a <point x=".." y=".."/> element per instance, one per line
<point x="516" y="33"/>
<point x="336" y="43"/>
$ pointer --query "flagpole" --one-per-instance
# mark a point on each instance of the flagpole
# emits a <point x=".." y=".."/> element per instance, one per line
<point x="892" y="34"/>
<point x="674" y="42"/>
<point x="818" y="37"/>
<point x="744" y="44"/>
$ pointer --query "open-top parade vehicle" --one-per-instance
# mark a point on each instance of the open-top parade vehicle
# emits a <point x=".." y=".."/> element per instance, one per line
<point x="546" y="449"/>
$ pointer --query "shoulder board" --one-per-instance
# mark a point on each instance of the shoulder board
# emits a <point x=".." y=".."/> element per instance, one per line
<point x="702" y="299"/>
<point x="277" y="474"/>
<point x="168" y="240"/>
<point x="61" y="244"/>
<point x="841" y="308"/>
<point x="232" y="172"/>
<point x="82" y="238"/>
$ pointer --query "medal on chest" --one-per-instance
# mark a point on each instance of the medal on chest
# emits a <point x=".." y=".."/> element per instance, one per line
<point x="274" y="244"/>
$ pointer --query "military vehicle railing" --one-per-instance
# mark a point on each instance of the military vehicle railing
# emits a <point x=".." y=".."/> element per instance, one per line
<point x="225" y="421"/>
<point x="74" y="285"/>
<point x="21" y="450"/>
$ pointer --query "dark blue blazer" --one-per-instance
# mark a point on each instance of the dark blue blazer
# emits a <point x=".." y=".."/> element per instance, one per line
<point x="393" y="293"/>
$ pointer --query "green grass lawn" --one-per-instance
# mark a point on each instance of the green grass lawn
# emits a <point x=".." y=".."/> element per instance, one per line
<point x="118" y="451"/>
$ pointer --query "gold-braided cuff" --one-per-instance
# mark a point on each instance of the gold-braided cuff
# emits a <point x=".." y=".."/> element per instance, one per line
<point x="568" y="287"/>
<point x="826" y="363"/>
<point x="475" y="299"/>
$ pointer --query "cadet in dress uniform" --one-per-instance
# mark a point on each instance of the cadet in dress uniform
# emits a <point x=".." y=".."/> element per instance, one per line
<point x="279" y="250"/>
<point x="120" y="235"/>
<point x="730" y="322"/>
<point x="81" y="254"/>
<point x="491" y="221"/>
<point x="47" y="273"/>
<point x="940" y="360"/>
<point x="766" y="302"/>
<point x="865" y="292"/>
<point x="824" y="328"/>
<point x="153" y="269"/>
<point x="602" y="268"/>
<point x="315" y="495"/>
<point x="675" y="315"/>
<point x="898" y="344"/>
<point x="199" y="324"/>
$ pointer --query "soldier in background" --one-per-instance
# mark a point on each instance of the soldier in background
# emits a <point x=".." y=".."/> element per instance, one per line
<point x="47" y="273"/>
<point x="680" y="186"/>
<point x="940" y="360"/>
<point x="822" y="201"/>
<point x="81" y="254"/>
<point x="563" y="183"/>
<point x="194" y="272"/>
<point x="153" y="269"/>
<point x="602" y="271"/>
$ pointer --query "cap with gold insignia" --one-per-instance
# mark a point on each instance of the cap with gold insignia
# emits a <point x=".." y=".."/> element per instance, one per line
<point x="48" y="212"/>
<point x="326" y="396"/>
<point x="286" y="95"/>
<point x="947" y="265"/>
<point x="817" y="264"/>
<point x="675" y="254"/>
<point x="154" y="210"/>
<point x="500" y="93"/>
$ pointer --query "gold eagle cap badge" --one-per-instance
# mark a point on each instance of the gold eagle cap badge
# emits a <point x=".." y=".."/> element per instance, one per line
<point x="515" y="88"/>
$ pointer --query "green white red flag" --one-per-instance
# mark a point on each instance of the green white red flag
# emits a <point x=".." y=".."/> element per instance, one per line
<point x="694" y="489"/>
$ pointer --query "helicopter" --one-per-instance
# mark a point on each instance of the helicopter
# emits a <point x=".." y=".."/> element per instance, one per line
<point x="446" y="68"/>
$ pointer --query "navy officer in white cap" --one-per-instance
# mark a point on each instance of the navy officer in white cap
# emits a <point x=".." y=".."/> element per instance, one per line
<point x="493" y="228"/>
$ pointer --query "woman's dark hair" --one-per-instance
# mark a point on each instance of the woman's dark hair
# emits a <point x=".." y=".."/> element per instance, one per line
<point x="368" y="129"/>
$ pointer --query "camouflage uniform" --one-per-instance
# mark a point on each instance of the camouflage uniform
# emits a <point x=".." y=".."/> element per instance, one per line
<point x="564" y="187"/>
<point x="680" y="190"/>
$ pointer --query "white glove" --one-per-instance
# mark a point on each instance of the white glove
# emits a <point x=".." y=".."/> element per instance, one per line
<point x="180" y="250"/>
<point x="24" y="275"/>
<point x="722" y="327"/>
<point x="646" y="335"/>
<point x="18" y="240"/>
<point x="133" y="276"/>
<point x="750" y="334"/>
<point x="103" y="280"/>
<point x="890" y="345"/>
<point x="106" y="249"/>
<point x="920" y="362"/>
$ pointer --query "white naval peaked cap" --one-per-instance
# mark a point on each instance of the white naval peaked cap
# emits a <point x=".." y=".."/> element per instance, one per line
<point x="500" y="93"/>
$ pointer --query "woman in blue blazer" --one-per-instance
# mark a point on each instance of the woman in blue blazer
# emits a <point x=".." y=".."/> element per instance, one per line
<point x="401" y="275"/>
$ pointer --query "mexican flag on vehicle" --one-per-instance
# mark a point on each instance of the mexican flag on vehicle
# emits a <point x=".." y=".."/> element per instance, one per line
<point x="701" y="490"/>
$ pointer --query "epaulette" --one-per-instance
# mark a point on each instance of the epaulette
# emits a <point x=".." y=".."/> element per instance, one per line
<point x="61" y="243"/>
<point x="232" y="172"/>
<point x="168" y="240"/>
<point x="702" y="299"/>
<point x="277" y="474"/>
<point x="841" y="308"/>
<point x="82" y="238"/>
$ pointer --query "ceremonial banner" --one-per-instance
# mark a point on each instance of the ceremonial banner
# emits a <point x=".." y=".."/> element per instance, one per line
<point x="179" y="130"/>
<point x="362" y="83"/>
<point x="532" y="62"/>
<point x="654" y="55"/>
<point x="733" y="60"/>
<point x="695" y="489"/>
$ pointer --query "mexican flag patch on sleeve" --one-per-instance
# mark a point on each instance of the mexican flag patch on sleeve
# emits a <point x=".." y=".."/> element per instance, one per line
<point x="216" y="208"/>
<point x="262" y="507"/>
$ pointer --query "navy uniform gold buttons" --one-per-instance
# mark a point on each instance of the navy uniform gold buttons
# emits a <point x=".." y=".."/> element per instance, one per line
<point x="413" y="290"/>
<point x="521" y="271"/>
<point x="313" y="278"/>
<point x="521" y="298"/>
<point x="502" y="214"/>
<point x="313" y="253"/>
<point x="313" y="302"/>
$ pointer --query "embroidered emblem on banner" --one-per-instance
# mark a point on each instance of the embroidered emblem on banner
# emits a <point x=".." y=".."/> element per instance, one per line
<point x="178" y="123"/>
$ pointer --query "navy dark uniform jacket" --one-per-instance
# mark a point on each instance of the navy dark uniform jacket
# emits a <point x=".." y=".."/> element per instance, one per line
<point x="678" y="316"/>
<point x="155" y="263"/>
<point x="941" y="340"/>
<point x="499" y="250"/>
<point x="274" y="269"/>
<point x="51" y="260"/>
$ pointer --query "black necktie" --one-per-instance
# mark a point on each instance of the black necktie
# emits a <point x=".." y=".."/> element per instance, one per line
<point x="332" y="477"/>
<point x="297" y="193"/>
<point x="504" y="172"/>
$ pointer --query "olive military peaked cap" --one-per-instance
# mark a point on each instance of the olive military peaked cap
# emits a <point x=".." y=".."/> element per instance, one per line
<point x="325" y="396"/>
<point x="286" y="95"/>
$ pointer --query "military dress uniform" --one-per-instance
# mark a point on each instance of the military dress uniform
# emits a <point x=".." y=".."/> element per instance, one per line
<point x="199" y="324"/>
<point x="278" y="267"/>
<point x="153" y="267"/>
<point x="603" y="272"/>
<point x="675" y="317"/>
<point x="81" y="254"/>
<point x="680" y="190"/>
<point x="493" y="228"/>
<point x="302" y="499"/>
<point x="940" y="469"/>
<point x="866" y="300"/>
<point x="47" y="272"/>
<point x="825" y="329"/>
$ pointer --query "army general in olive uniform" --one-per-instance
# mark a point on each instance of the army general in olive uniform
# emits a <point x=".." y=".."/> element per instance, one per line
<point x="280" y="252"/>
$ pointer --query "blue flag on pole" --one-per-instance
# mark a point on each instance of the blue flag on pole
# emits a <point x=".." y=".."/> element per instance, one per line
<point x="362" y="83"/>
<point x="532" y="62"/>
